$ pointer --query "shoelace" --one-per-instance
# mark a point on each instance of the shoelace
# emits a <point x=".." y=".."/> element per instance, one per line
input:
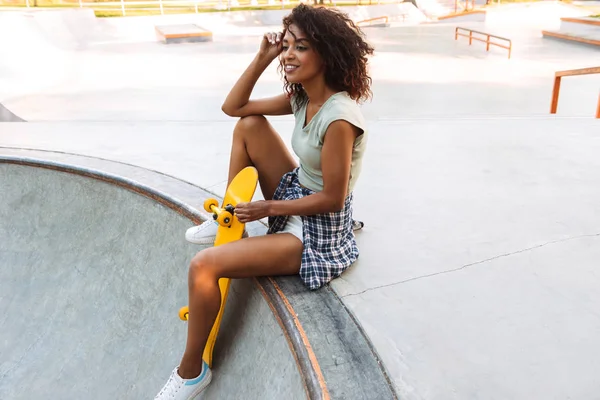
<point x="171" y="387"/>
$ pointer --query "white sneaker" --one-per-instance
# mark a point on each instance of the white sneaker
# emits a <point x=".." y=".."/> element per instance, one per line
<point x="205" y="233"/>
<point x="178" y="388"/>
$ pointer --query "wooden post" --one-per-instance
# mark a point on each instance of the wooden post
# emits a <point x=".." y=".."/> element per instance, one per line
<point x="509" y="49"/>
<point x="470" y="37"/>
<point x="487" y="43"/>
<point x="555" y="91"/>
<point x="598" y="109"/>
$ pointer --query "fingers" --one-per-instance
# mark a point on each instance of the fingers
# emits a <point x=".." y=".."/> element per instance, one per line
<point x="244" y="218"/>
<point x="247" y="212"/>
<point x="242" y="212"/>
<point x="273" y="37"/>
<point x="240" y="207"/>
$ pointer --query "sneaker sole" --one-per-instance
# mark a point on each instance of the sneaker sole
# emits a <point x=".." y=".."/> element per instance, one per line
<point x="203" y="386"/>
<point x="209" y="240"/>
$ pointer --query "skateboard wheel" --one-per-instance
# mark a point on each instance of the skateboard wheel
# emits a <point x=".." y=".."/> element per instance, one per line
<point x="225" y="219"/>
<point x="184" y="313"/>
<point x="208" y="203"/>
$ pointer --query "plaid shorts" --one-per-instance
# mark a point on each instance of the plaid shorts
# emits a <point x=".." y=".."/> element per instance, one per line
<point x="329" y="243"/>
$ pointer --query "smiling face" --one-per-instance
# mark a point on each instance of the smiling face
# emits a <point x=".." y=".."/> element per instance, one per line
<point x="301" y="63"/>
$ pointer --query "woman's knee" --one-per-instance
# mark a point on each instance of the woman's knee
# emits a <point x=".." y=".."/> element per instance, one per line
<point x="202" y="268"/>
<point x="250" y="123"/>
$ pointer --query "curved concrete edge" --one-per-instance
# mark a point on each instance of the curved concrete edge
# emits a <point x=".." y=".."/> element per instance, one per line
<point x="334" y="357"/>
<point x="334" y="354"/>
<point x="7" y="116"/>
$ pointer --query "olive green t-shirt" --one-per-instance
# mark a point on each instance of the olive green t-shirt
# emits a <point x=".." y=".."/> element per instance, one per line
<point x="307" y="141"/>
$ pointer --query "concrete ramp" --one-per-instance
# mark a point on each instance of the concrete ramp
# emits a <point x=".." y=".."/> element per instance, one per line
<point x="93" y="270"/>
<point x="7" y="116"/>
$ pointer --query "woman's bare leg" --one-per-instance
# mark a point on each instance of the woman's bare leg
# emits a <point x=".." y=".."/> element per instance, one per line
<point x="256" y="143"/>
<point x="271" y="255"/>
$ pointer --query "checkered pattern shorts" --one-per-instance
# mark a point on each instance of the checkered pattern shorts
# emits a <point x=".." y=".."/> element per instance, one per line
<point x="329" y="243"/>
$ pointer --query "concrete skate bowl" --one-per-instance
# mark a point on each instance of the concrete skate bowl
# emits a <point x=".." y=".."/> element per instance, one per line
<point x="93" y="269"/>
<point x="7" y="116"/>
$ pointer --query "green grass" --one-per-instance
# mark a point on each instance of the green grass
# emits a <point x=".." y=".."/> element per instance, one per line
<point x="142" y="9"/>
<point x="114" y="10"/>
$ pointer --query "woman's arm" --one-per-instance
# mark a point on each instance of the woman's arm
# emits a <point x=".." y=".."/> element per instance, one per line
<point x="336" y="160"/>
<point x="238" y="103"/>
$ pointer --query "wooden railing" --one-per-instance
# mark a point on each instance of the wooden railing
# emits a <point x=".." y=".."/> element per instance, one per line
<point x="487" y="40"/>
<point x="573" y="72"/>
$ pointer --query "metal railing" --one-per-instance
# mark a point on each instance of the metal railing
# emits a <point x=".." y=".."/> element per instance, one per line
<point x="487" y="40"/>
<point x="572" y="72"/>
<point x="466" y="5"/>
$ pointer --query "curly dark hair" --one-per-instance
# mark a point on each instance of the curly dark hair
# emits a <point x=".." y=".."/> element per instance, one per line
<point x="341" y="45"/>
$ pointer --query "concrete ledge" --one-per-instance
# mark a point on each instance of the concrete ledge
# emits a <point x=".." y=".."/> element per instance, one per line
<point x="474" y="15"/>
<point x="184" y="33"/>
<point x="584" y="20"/>
<point x="571" y="38"/>
<point x="333" y="357"/>
<point x="376" y="22"/>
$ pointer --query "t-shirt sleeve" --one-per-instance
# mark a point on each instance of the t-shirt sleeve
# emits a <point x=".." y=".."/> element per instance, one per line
<point x="342" y="111"/>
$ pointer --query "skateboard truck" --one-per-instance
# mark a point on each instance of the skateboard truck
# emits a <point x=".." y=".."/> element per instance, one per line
<point x="224" y="216"/>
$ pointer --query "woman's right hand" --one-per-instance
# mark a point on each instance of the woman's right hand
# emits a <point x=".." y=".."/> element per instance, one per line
<point x="271" y="45"/>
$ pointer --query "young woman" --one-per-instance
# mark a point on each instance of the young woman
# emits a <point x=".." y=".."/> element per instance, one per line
<point x="323" y="58"/>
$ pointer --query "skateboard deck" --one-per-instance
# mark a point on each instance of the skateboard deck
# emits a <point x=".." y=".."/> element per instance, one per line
<point x="241" y="190"/>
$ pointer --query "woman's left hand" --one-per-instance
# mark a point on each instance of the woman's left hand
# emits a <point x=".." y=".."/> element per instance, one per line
<point x="253" y="211"/>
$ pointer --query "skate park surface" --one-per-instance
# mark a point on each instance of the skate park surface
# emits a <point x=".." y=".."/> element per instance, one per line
<point x="478" y="269"/>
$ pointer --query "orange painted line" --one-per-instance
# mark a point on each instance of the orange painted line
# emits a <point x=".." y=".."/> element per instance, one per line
<point x="311" y="354"/>
<point x="280" y="322"/>
<point x="581" y="21"/>
<point x="572" y="38"/>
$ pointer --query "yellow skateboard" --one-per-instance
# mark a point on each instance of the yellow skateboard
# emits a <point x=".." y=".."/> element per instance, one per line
<point x="241" y="190"/>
